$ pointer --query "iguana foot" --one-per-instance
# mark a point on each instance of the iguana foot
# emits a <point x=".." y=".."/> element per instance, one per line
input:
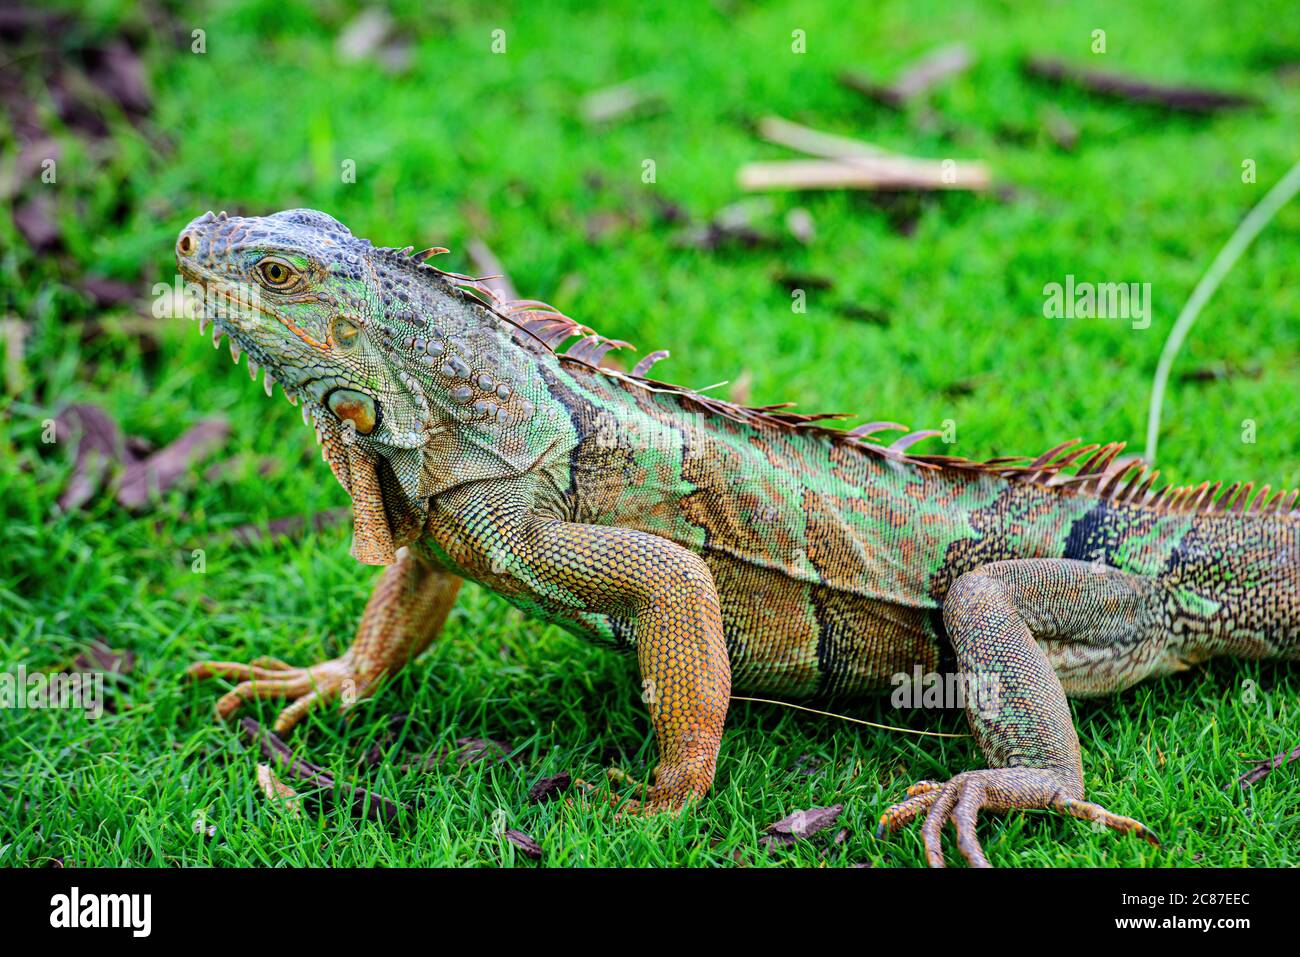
<point x="653" y="802"/>
<point x="407" y="608"/>
<point x="995" y="789"/>
<point x="271" y="678"/>
<point x="671" y="793"/>
<point x="676" y="786"/>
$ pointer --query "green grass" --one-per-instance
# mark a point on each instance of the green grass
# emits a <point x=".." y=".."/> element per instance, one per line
<point x="264" y="119"/>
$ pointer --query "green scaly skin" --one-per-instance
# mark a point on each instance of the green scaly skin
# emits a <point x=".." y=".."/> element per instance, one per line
<point x="729" y="548"/>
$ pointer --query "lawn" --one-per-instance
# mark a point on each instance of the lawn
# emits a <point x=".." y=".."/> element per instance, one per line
<point x="934" y="312"/>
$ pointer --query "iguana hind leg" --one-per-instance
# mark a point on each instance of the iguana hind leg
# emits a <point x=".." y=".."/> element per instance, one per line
<point x="1007" y="621"/>
<point x="406" y="610"/>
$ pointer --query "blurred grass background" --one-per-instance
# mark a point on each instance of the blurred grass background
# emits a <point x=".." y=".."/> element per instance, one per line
<point x="451" y="141"/>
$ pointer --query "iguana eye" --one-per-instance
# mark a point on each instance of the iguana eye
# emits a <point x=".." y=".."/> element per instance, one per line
<point x="344" y="334"/>
<point x="276" y="273"/>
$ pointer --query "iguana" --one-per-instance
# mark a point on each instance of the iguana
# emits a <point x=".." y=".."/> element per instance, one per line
<point x="728" y="547"/>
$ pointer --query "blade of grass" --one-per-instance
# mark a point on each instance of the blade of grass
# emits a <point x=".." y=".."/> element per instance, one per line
<point x="1242" y="237"/>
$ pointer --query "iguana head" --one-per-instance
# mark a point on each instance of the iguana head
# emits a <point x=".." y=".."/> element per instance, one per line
<point x="411" y="386"/>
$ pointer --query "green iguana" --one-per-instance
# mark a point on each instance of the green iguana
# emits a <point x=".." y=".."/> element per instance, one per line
<point x="729" y="547"/>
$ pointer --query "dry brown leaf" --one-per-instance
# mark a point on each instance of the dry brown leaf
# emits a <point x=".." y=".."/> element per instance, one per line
<point x="100" y="657"/>
<point x="546" y="789"/>
<point x="800" y="826"/>
<point x="277" y="791"/>
<point x="100" y="448"/>
<point x="154" y="475"/>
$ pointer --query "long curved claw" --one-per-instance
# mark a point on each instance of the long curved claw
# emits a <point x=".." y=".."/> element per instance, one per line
<point x="1087" y="811"/>
<point x="932" y="830"/>
<point x="969" y="802"/>
<point x="298" y="710"/>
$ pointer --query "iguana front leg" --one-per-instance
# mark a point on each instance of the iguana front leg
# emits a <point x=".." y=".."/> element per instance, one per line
<point x="405" y="611"/>
<point x="1000" y="618"/>
<point x="669" y="595"/>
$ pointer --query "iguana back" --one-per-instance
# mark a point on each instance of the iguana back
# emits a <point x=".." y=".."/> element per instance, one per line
<point x="832" y="556"/>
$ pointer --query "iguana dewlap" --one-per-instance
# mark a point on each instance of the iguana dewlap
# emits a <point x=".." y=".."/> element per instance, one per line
<point x="730" y="548"/>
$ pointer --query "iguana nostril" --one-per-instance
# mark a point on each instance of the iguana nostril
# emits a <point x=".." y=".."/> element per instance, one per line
<point x="186" y="244"/>
<point x="355" y="407"/>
